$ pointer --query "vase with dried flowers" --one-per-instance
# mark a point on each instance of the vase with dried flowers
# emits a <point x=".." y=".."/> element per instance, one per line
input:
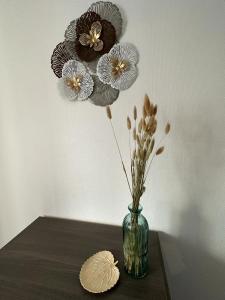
<point x="142" y="154"/>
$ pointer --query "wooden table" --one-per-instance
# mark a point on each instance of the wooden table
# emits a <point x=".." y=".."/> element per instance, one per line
<point x="43" y="263"/>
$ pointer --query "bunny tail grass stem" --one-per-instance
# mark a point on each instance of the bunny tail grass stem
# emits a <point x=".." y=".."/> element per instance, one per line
<point x="129" y="146"/>
<point x="131" y="171"/>
<point x="135" y="142"/>
<point x="149" y="166"/>
<point x="124" y="169"/>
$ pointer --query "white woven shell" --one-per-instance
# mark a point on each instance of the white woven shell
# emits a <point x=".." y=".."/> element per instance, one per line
<point x="103" y="94"/>
<point x="126" y="52"/>
<point x="99" y="272"/>
<point x="74" y="68"/>
<point x="110" y="12"/>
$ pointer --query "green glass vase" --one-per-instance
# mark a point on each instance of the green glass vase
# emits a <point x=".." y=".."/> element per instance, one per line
<point x="135" y="243"/>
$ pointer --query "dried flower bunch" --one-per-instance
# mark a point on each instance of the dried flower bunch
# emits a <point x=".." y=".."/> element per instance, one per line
<point x="144" y="147"/>
<point x="92" y="42"/>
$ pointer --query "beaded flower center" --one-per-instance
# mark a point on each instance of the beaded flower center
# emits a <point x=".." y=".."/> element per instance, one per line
<point x="118" y="67"/>
<point x="74" y="83"/>
<point x="93" y="38"/>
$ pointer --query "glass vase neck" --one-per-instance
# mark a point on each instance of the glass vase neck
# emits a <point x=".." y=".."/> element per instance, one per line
<point x="135" y="210"/>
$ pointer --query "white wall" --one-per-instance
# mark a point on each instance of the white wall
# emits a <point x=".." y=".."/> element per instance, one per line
<point x="59" y="158"/>
<point x="25" y="156"/>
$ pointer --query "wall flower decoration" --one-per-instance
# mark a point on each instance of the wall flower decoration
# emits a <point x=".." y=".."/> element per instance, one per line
<point x="94" y="36"/>
<point x="91" y="64"/>
<point x="77" y="82"/>
<point x="70" y="38"/>
<point x="118" y="67"/>
<point x="110" y="12"/>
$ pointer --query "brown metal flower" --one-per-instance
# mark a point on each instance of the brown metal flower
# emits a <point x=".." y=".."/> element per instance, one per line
<point x="94" y="36"/>
<point x="59" y="57"/>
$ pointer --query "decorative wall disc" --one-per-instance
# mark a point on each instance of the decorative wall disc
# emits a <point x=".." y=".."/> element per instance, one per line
<point x="91" y="64"/>
<point x="70" y="47"/>
<point x="99" y="272"/>
<point x="70" y="33"/>
<point x="107" y="36"/>
<point x="103" y="94"/>
<point x="118" y="67"/>
<point x="110" y="12"/>
<point x="78" y="83"/>
<point x="59" y="57"/>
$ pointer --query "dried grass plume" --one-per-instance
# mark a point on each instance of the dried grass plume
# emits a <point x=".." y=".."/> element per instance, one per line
<point x="142" y="152"/>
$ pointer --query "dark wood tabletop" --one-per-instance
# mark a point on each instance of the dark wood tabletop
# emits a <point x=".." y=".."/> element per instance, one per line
<point x="44" y="260"/>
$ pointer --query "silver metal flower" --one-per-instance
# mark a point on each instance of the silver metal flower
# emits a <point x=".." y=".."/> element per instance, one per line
<point x="77" y="82"/>
<point x="103" y="94"/>
<point x="118" y="67"/>
<point x="70" y="37"/>
<point x="110" y="12"/>
<point x="70" y="33"/>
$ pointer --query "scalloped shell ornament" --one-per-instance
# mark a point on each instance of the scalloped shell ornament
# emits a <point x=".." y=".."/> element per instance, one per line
<point x="99" y="272"/>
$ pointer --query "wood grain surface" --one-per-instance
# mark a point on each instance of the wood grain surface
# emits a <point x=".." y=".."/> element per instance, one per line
<point x="44" y="260"/>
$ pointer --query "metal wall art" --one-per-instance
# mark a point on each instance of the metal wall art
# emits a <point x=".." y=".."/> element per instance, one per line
<point x="91" y="63"/>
